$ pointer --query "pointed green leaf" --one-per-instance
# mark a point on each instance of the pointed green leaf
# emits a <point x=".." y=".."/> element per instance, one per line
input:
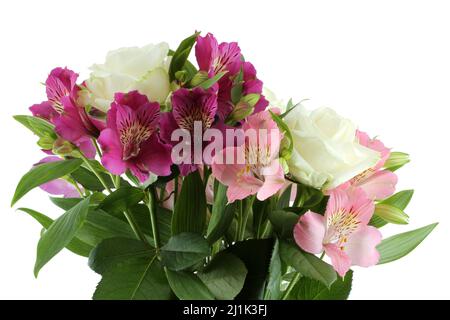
<point x="134" y="279"/>
<point x="309" y="289"/>
<point x="60" y="233"/>
<point x="112" y="251"/>
<point x="273" y="288"/>
<point x="122" y="199"/>
<point x="222" y="214"/>
<point x="211" y="81"/>
<point x="188" y="286"/>
<point x="44" y="173"/>
<point x="307" y="264"/>
<point x="184" y="250"/>
<point x="190" y="210"/>
<point x="400" y="245"/>
<point x="38" y="126"/>
<point x="224" y="276"/>
<point x="181" y="55"/>
<point x="76" y="245"/>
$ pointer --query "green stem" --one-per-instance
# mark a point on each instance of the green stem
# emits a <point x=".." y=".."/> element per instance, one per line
<point x="99" y="151"/>
<point x="245" y="209"/>
<point x="94" y="171"/>
<point x="291" y="286"/>
<point x="175" y="191"/>
<point x="151" y="203"/>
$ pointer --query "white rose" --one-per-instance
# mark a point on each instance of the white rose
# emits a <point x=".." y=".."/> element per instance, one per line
<point x="126" y="69"/>
<point x="326" y="152"/>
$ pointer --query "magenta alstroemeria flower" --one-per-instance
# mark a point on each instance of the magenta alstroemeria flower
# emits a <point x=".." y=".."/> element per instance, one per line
<point x="58" y="186"/>
<point x="70" y="119"/>
<point x="214" y="58"/>
<point x="376" y="182"/>
<point x="131" y="140"/>
<point x="343" y="232"/>
<point x="188" y="107"/>
<point x="260" y="173"/>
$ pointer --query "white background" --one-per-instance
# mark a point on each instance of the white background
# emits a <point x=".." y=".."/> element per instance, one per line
<point x="384" y="64"/>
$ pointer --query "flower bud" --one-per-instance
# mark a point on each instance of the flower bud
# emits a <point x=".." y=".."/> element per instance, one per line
<point x="46" y="142"/>
<point x="62" y="147"/>
<point x="240" y="112"/>
<point x="251" y="99"/>
<point x="391" y="214"/>
<point x="181" y="75"/>
<point x="396" y="160"/>
<point x="199" y="78"/>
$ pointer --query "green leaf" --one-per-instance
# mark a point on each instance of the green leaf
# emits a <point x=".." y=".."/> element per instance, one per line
<point x="400" y="245"/>
<point x="255" y="254"/>
<point x="188" y="286"/>
<point x="112" y="251"/>
<point x="283" y="222"/>
<point x="122" y="199"/>
<point x="400" y="199"/>
<point x="236" y="90"/>
<point x="76" y="245"/>
<point x="68" y="203"/>
<point x="89" y="181"/>
<point x="273" y="288"/>
<point x="307" y="264"/>
<point x="134" y="279"/>
<point x="184" y="250"/>
<point x="285" y="198"/>
<point x="308" y="289"/>
<point x="190" y="209"/>
<point x="211" y="81"/>
<point x="224" y="276"/>
<point x="396" y="160"/>
<point x="181" y="55"/>
<point x="222" y="214"/>
<point x="38" y="126"/>
<point x="44" y="173"/>
<point x="100" y="225"/>
<point x="60" y="233"/>
<point x="285" y="152"/>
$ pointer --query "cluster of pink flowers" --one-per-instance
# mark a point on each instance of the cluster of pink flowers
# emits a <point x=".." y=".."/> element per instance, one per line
<point x="135" y="135"/>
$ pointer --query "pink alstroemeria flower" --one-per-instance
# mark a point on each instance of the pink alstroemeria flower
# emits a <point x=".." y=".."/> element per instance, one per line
<point x="58" y="186"/>
<point x="343" y="232"/>
<point x="131" y="140"/>
<point x="189" y="107"/>
<point x="261" y="172"/>
<point x="71" y="120"/>
<point x="214" y="58"/>
<point x="376" y="182"/>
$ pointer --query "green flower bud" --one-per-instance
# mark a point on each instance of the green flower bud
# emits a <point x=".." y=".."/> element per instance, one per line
<point x="62" y="147"/>
<point x="199" y="78"/>
<point x="181" y="75"/>
<point x="251" y="99"/>
<point x="391" y="214"/>
<point x="396" y="160"/>
<point x="240" y="111"/>
<point x="46" y="142"/>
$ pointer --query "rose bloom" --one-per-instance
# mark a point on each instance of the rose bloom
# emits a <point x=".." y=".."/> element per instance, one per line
<point x="326" y="151"/>
<point x="127" y="69"/>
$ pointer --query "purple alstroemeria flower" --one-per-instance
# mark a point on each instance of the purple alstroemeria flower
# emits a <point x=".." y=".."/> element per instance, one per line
<point x="214" y="58"/>
<point x="62" y="109"/>
<point x="58" y="186"/>
<point x="131" y="140"/>
<point x="189" y="106"/>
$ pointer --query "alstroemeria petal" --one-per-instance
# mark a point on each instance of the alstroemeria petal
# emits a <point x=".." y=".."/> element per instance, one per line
<point x="309" y="232"/>
<point x="361" y="246"/>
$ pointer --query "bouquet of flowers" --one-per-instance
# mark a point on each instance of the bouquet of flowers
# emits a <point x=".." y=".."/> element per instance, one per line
<point x="180" y="181"/>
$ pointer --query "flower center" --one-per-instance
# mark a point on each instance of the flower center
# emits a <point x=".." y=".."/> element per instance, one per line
<point x="189" y="117"/>
<point x="131" y="137"/>
<point x="340" y="225"/>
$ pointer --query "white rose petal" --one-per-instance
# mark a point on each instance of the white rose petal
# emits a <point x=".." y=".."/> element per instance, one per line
<point x="126" y="69"/>
<point x="326" y="152"/>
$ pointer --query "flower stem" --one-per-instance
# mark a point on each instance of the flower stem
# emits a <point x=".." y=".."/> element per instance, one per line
<point x="99" y="151"/>
<point x="151" y="203"/>
<point x="291" y="286"/>
<point x="94" y="171"/>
